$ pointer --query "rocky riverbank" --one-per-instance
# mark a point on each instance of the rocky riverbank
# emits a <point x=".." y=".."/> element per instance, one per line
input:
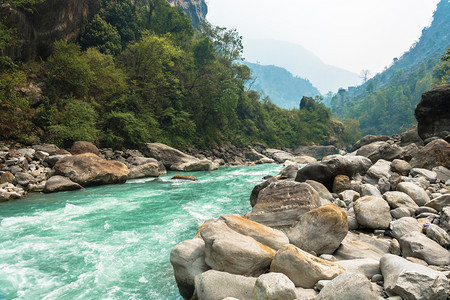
<point x="370" y="224"/>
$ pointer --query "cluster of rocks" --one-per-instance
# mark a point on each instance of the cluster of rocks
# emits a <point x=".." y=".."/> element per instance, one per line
<point x="371" y="224"/>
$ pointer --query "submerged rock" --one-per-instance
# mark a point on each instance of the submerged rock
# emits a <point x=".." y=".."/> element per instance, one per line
<point x="184" y="177"/>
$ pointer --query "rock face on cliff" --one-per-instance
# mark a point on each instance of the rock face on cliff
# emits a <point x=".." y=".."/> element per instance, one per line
<point x="47" y="22"/>
<point x="433" y="113"/>
<point x="196" y="10"/>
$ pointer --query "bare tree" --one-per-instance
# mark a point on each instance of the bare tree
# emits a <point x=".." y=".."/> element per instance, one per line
<point x="364" y="75"/>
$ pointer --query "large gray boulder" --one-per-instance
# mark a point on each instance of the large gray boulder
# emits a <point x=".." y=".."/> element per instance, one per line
<point x="412" y="281"/>
<point x="215" y="285"/>
<point x="433" y="112"/>
<point x="324" y="193"/>
<point x="59" y="183"/>
<point x="320" y="230"/>
<point x="88" y="169"/>
<point x="404" y="226"/>
<point x="188" y="261"/>
<point x="279" y="204"/>
<point x="304" y="269"/>
<point x="372" y="212"/>
<point x="434" y="154"/>
<point x="349" y="286"/>
<point x="274" y="286"/>
<point x="382" y="168"/>
<point x="418" y="245"/>
<point x="146" y="170"/>
<point x="360" y="246"/>
<point x="401" y="167"/>
<point x="325" y="171"/>
<point x="258" y="188"/>
<point x="399" y="199"/>
<point x="380" y="150"/>
<point x="369" y="139"/>
<point x="416" y="193"/>
<point x="268" y="236"/>
<point x="176" y="160"/>
<point x="437" y="234"/>
<point x="279" y="156"/>
<point x="229" y="251"/>
<point x="366" y="266"/>
<point x="23" y="178"/>
<point x="439" y="202"/>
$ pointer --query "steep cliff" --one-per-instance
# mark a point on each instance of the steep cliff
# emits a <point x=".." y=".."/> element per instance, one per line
<point x="47" y="22"/>
<point x="195" y="9"/>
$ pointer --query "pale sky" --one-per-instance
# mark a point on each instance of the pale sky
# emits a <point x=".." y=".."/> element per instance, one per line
<point x="351" y="34"/>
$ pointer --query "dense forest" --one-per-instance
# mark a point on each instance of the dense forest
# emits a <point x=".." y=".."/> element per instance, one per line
<point x="141" y="73"/>
<point x="385" y="104"/>
<point x="283" y="88"/>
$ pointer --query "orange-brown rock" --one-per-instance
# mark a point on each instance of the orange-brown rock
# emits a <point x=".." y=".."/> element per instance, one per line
<point x="304" y="269"/>
<point x="88" y="169"/>
<point x="80" y="147"/>
<point x="320" y="230"/>
<point x="185" y="177"/>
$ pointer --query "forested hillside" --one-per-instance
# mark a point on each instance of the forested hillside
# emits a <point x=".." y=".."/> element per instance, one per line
<point x="385" y="104"/>
<point x="141" y="73"/>
<point x="284" y="89"/>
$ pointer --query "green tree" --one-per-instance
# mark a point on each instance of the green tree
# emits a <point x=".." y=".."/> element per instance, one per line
<point x="101" y="35"/>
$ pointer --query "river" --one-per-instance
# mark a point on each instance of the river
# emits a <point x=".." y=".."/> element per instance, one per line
<point x="113" y="242"/>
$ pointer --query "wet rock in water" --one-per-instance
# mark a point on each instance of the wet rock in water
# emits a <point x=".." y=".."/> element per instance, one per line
<point x="320" y="230"/>
<point x="268" y="236"/>
<point x="88" y="169"/>
<point x="80" y="147"/>
<point x="145" y="170"/>
<point x="304" y="269"/>
<point x="232" y="252"/>
<point x="412" y="281"/>
<point x="279" y="204"/>
<point x="215" y="285"/>
<point x="59" y="183"/>
<point x="372" y="212"/>
<point x="184" y="177"/>
<point x="417" y="193"/>
<point x="274" y="286"/>
<point x="416" y="244"/>
<point x="188" y="261"/>
<point x="348" y="287"/>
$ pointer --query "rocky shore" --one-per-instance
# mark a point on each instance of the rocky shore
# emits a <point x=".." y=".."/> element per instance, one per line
<point x="371" y="224"/>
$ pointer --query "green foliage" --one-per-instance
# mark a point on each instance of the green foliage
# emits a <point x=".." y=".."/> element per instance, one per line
<point x="101" y="35"/>
<point x="228" y="42"/>
<point x="68" y="72"/>
<point x="73" y="120"/>
<point x="441" y="72"/>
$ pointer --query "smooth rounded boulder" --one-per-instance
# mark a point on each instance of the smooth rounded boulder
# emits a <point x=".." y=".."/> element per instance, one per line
<point x="229" y="251"/>
<point x="59" y="183"/>
<point x="88" y="169"/>
<point x="80" y="147"/>
<point x="302" y="268"/>
<point x="372" y="212"/>
<point x="399" y="199"/>
<point x="434" y="154"/>
<point x="320" y="230"/>
<point x="418" y="245"/>
<point x="416" y="193"/>
<point x="274" y="286"/>
<point x="188" y="261"/>
<point x="279" y="204"/>
<point x="145" y="170"/>
<point x="348" y="287"/>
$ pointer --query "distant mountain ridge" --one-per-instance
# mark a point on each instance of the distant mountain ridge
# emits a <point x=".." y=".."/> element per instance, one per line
<point x="284" y="89"/>
<point x="385" y="104"/>
<point x="300" y="62"/>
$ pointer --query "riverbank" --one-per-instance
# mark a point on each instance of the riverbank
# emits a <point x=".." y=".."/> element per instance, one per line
<point x="370" y="224"/>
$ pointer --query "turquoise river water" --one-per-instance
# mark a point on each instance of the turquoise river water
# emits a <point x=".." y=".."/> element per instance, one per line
<point x="113" y="242"/>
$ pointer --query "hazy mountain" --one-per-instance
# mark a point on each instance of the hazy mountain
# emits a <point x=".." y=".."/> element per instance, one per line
<point x="283" y="88"/>
<point x="300" y="62"/>
<point x="385" y="104"/>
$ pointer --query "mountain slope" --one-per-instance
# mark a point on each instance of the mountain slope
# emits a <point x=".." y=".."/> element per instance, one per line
<point x="283" y="88"/>
<point x="300" y="62"/>
<point x="385" y="104"/>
